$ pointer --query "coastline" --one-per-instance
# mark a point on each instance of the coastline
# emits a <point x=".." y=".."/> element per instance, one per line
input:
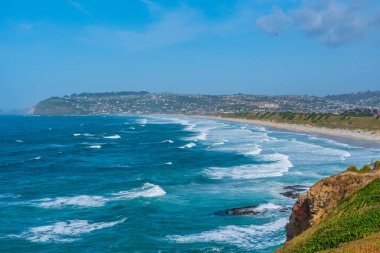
<point x="356" y="136"/>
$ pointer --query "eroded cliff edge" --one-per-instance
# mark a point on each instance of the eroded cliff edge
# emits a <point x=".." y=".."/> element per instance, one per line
<point x="336" y="210"/>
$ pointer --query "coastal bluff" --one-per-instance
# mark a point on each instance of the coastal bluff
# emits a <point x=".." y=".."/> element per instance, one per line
<point x="337" y="211"/>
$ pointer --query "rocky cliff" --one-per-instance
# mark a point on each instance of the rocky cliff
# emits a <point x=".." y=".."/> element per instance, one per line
<point x="312" y="206"/>
<point x="338" y="214"/>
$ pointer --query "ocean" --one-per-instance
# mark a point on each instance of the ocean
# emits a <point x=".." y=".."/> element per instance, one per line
<point x="154" y="183"/>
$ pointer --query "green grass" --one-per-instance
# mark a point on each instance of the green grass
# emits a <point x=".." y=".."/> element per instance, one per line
<point x="370" y="124"/>
<point x="356" y="217"/>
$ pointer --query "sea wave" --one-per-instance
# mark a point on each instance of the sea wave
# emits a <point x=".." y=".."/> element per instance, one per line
<point x="81" y="200"/>
<point x="279" y="165"/>
<point x="95" y="146"/>
<point x="84" y="134"/>
<point x="64" y="231"/>
<point x="247" y="237"/>
<point x="189" y="145"/>
<point x="267" y="207"/>
<point x="300" y="148"/>
<point x="148" y="190"/>
<point x="167" y="141"/>
<point x="142" y="121"/>
<point x="116" y="136"/>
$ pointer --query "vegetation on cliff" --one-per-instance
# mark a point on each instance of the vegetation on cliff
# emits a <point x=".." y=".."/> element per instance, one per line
<point x="352" y="225"/>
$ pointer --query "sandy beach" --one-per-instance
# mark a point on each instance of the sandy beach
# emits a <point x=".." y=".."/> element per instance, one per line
<point x="340" y="133"/>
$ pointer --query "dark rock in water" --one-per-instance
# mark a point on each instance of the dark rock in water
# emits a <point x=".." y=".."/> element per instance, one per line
<point x="296" y="187"/>
<point x="294" y="191"/>
<point x="247" y="210"/>
<point x="291" y="194"/>
<point x="284" y="209"/>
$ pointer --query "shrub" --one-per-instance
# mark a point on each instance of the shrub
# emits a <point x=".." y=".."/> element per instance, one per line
<point x="352" y="168"/>
<point x="376" y="165"/>
<point x="366" y="168"/>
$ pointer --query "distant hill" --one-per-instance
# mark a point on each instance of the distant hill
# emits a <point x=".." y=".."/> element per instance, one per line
<point x="360" y="99"/>
<point x="130" y="102"/>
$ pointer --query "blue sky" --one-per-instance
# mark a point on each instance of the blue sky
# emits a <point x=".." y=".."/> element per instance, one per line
<point x="52" y="48"/>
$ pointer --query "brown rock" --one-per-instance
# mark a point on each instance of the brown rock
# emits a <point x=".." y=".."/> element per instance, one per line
<point x="322" y="197"/>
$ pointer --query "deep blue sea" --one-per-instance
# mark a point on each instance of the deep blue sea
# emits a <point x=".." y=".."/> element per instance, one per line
<point x="153" y="183"/>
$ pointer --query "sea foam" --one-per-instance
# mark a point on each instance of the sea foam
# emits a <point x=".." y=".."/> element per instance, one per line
<point x="116" y="136"/>
<point x="65" y="231"/>
<point x="81" y="201"/>
<point x="95" y="146"/>
<point x="247" y="237"/>
<point x="189" y="145"/>
<point x="148" y="190"/>
<point x="279" y="165"/>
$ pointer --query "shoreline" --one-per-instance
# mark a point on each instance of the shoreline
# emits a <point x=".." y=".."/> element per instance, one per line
<point x="358" y="137"/>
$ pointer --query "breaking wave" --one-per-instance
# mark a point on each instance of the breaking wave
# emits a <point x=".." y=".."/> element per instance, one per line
<point x="279" y="165"/>
<point x="247" y="237"/>
<point x="148" y="190"/>
<point x="116" y="136"/>
<point x="189" y="145"/>
<point x="64" y="231"/>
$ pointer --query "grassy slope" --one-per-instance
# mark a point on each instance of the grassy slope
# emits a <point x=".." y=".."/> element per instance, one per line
<point x="368" y="244"/>
<point x="356" y="217"/>
<point x="371" y="124"/>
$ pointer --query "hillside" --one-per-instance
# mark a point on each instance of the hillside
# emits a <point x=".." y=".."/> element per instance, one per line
<point x="369" y="98"/>
<point x="145" y="102"/>
<point x="338" y="214"/>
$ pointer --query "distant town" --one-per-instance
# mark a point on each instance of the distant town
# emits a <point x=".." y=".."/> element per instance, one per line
<point x="367" y="103"/>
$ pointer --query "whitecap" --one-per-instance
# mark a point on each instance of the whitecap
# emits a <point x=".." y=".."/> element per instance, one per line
<point x="142" y="121"/>
<point x="81" y="201"/>
<point x="19" y="141"/>
<point x="95" y="146"/>
<point x="65" y="231"/>
<point x="76" y="134"/>
<point x="279" y="165"/>
<point x="189" y="145"/>
<point x="9" y="196"/>
<point x="148" y="190"/>
<point x="36" y="158"/>
<point x="116" y="136"/>
<point x="247" y="237"/>
<point x="167" y="141"/>
<point x="267" y="206"/>
<point x="169" y="163"/>
<point x="255" y="151"/>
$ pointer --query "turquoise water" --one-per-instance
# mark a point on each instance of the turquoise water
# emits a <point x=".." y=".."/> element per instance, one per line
<point x="153" y="183"/>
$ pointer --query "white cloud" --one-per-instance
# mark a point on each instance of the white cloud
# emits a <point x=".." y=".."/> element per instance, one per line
<point x="273" y="23"/>
<point x="333" y="22"/>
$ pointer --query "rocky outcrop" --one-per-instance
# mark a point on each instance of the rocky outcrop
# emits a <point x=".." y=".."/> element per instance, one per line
<point x="247" y="210"/>
<point x="250" y="210"/>
<point x="312" y="206"/>
<point x="293" y="191"/>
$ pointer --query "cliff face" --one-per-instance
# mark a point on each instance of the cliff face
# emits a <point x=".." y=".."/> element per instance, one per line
<point x="323" y="197"/>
